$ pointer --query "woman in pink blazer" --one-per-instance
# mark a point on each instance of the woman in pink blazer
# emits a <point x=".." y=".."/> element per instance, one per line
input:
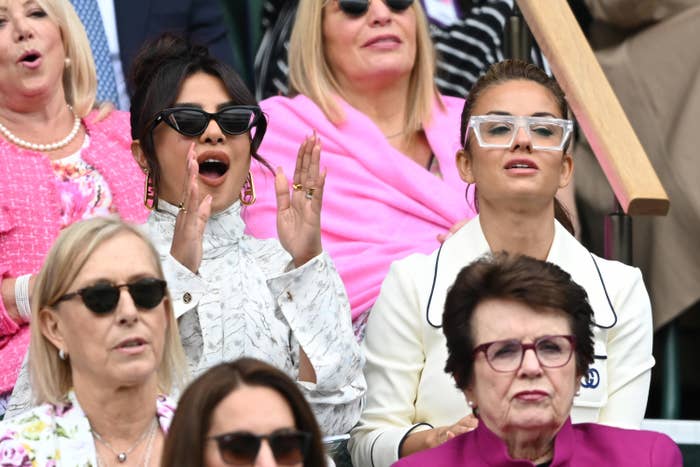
<point x="60" y="162"/>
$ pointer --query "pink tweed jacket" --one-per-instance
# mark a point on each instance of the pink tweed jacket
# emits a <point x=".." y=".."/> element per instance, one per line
<point x="30" y="213"/>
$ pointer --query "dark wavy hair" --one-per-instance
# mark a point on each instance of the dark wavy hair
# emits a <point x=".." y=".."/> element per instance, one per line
<point x="160" y="68"/>
<point x="184" y="445"/>
<point x="510" y="70"/>
<point x="502" y="276"/>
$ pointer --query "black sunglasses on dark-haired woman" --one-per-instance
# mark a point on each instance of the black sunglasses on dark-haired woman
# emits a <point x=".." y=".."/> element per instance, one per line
<point x="360" y="7"/>
<point x="241" y="447"/>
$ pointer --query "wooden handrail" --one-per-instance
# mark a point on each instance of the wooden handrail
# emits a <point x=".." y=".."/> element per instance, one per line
<point x="596" y="107"/>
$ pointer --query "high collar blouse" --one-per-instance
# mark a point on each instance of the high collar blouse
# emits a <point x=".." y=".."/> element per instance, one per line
<point x="248" y="299"/>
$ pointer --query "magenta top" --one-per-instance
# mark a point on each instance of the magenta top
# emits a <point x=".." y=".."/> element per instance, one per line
<point x="31" y="213"/>
<point x="378" y="204"/>
<point x="579" y="445"/>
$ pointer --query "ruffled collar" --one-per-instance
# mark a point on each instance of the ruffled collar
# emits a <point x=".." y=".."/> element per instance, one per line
<point x="223" y="230"/>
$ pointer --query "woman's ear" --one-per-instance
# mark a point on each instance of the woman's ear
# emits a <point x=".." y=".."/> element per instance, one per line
<point x="567" y="170"/>
<point x="464" y="165"/>
<point x="50" y="326"/>
<point x="139" y="155"/>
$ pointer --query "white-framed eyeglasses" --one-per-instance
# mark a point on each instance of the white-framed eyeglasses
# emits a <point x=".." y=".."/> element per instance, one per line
<point x="499" y="131"/>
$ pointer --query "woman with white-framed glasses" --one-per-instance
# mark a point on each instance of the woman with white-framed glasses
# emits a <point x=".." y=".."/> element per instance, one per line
<point x="515" y="138"/>
<point x="196" y="130"/>
<point x="519" y="344"/>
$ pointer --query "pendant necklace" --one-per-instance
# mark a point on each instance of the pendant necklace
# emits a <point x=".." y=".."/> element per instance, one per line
<point x="123" y="455"/>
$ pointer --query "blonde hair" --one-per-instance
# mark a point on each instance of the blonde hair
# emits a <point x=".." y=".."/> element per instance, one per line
<point x="79" y="75"/>
<point x="51" y="377"/>
<point x="311" y="75"/>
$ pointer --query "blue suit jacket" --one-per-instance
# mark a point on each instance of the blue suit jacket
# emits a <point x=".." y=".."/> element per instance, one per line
<point x="202" y="21"/>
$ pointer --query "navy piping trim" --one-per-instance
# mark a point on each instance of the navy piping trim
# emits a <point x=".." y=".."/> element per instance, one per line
<point x="398" y="454"/>
<point x="432" y="289"/>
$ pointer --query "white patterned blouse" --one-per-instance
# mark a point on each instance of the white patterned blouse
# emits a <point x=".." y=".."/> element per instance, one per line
<point x="247" y="299"/>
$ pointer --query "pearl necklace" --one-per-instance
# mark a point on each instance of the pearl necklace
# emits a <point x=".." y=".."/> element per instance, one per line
<point x="43" y="147"/>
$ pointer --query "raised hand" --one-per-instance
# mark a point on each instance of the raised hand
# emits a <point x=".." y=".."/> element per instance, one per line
<point x="190" y="222"/>
<point x="299" y="215"/>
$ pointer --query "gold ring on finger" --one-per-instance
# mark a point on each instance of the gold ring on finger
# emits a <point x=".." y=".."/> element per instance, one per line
<point x="297" y="187"/>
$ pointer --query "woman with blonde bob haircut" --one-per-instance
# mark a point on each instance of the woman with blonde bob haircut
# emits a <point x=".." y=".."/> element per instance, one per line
<point x="63" y="160"/>
<point x="362" y="77"/>
<point x="51" y="377"/>
<point x="104" y="349"/>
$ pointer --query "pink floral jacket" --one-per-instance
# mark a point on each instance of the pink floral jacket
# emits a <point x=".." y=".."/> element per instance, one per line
<point x="58" y="435"/>
<point x="30" y="213"/>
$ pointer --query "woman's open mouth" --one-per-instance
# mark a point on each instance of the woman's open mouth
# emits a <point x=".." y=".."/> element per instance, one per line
<point x="213" y="168"/>
<point x="30" y="59"/>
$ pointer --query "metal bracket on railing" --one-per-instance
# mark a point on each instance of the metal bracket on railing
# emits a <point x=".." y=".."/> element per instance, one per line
<point x="517" y="37"/>
<point x="617" y="235"/>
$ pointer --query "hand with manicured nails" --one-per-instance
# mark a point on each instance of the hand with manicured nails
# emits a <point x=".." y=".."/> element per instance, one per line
<point x="299" y="215"/>
<point x="191" y="220"/>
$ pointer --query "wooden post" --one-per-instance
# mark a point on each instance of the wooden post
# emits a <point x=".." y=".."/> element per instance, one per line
<point x="596" y="107"/>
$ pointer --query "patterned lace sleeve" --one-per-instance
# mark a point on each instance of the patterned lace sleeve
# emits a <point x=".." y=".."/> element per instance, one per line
<point x="314" y="303"/>
<point x="21" y="399"/>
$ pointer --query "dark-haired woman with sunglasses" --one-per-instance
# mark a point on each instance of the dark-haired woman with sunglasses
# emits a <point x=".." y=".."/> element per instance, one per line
<point x="362" y="75"/>
<point x="196" y="128"/>
<point x="244" y="413"/>
<point x="104" y="349"/>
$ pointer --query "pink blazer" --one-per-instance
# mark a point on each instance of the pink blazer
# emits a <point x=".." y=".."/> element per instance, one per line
<point x="378" y="205"/>
<point x="30" y="213"/>
<point x="580" y="445"/>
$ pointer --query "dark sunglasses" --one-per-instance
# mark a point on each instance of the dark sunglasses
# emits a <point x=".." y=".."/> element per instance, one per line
<point x="102" y="298"/>
<point x="360" y="7"/>
<point x="242" y="447"/>
<point x="192" y="121"/>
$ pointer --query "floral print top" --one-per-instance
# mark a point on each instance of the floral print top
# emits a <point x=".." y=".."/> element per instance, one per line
<point x="58" y="435"/>
<point x="84" y="192"/>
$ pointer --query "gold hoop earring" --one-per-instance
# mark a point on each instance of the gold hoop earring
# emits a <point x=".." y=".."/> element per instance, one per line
<point x="150" y="199"/>
<point x="247" y="195"/>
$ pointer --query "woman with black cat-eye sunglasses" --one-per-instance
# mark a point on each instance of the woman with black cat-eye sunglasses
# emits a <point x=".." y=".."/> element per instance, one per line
<point x="197" y="131"/>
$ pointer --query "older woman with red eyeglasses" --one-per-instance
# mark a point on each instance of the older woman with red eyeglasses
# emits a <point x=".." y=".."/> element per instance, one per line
<point x="362" y="76"/>
<point x="519" y="342"/>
